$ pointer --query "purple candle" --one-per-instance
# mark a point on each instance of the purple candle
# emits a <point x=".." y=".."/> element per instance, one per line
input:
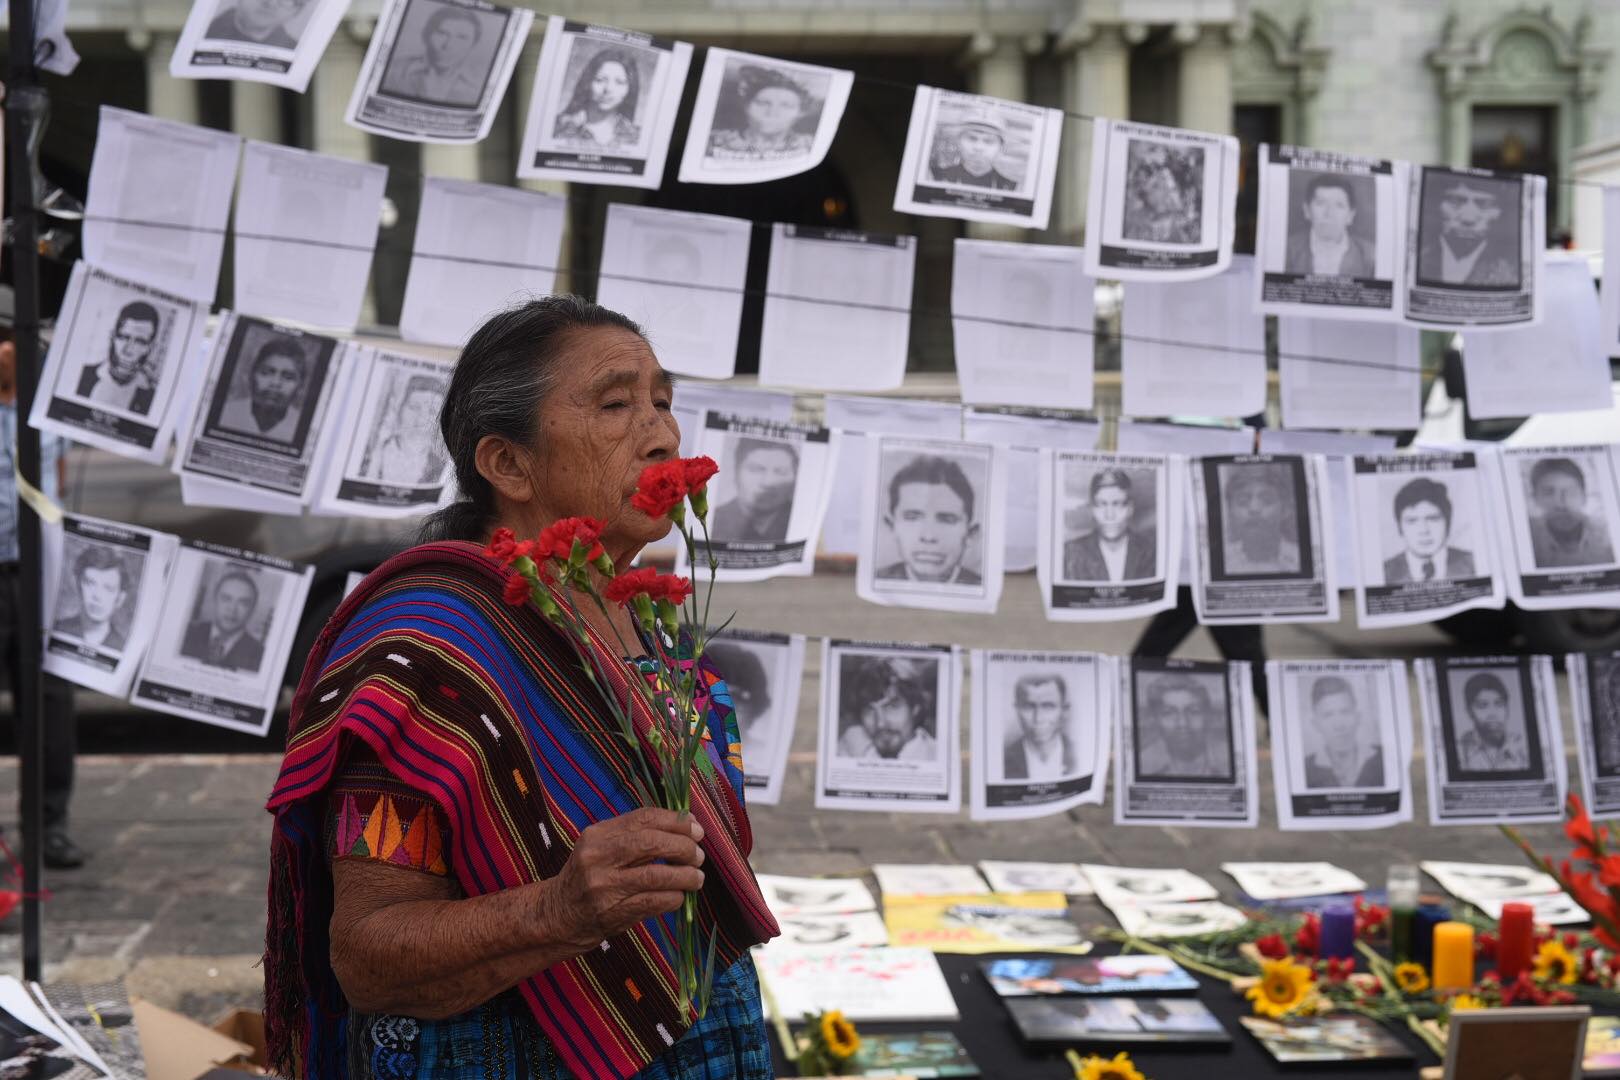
<point x="1338" y="939"/>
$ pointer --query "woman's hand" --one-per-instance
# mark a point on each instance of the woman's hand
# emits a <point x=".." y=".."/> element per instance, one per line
<point x="621" y="872"/>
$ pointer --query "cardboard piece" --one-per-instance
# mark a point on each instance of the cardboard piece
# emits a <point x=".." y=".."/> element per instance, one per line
<point x="246" y="1026"/>
<point x="178" y="1048"/>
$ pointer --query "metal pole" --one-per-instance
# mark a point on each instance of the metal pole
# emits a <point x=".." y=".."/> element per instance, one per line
<point x="25" y="108"/>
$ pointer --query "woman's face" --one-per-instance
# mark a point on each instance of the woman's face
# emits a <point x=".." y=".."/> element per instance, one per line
<point x="607" y="419"/>
<point x="609" y="86"/>
<point x="773" y="110"/>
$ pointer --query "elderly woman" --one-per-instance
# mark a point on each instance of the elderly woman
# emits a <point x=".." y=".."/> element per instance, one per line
<point x="462" y="883"/>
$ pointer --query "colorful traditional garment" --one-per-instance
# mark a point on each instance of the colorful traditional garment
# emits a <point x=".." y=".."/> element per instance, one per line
<point x="483" y="709"/>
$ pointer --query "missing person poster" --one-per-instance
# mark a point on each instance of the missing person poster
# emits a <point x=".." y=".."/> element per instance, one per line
<point x="268" y="41"/>
<point x="890" y="724"/>
<point x="1474" y="247"/>
<point x="1424" y="528"/>
<point x="1331" y="234"/>
<point x="104" y="587"/>
<point x="1263" y="552"/>
<point x="1186" y="744"/>
<point x="116" y="363"/>
<point x="1494" y="744"/>
<point x="1560" y="529"/>
<point x="1162" y="204"/>
<point x="224" y="636"/>
<point x="1594" y="690"/>
<point x="1341" y="743"/>
<point x="758" y="118"/>
<point x="767" y="503"/>
<point x="764" y="672"/>
<point x="1024" y="433"/>
<point x="1110" y="534"/>
<point x="1041" y="723"/>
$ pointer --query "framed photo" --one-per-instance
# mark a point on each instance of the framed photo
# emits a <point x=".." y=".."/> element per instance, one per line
<point x="1542" y="1043"/>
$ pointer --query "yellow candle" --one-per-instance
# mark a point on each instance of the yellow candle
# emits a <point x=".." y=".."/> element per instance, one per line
<point x="1453" y="956"/>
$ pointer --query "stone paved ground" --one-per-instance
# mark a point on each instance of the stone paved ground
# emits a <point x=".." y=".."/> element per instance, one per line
<point x="173" y="898"/>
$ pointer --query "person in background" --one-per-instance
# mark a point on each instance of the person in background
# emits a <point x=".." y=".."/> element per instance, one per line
<point x="61" y="725"/>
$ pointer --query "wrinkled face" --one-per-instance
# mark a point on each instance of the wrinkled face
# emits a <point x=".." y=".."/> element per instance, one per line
<point x="979" y="147"/>
<point x="765" y="480"/>
<point x="234" y="601"/>
<point x="1338" y="719"/>
<point x="131" y="344"/>
<point x="1112" y="509"/>
<point x="419" y="412"/>
<point x="1042" y="711"/>
<point x="101" y="591"/>
<point x="607" y="419"/>
<point x="1424" y="529"/>
<point x="931" y="528"/>
<point x="450" y="42"/>
<point x="774" y="110"/>
<point x="1183" y="719"/>
<point x="276" y="380"/>
<point x="1489" y="711"/>
<point x="1562" y="501"/>
<point x="1329" y="213"/>
<point x="1161" y="192"/>
<point x="262" y="16"/>
<point x="609" y="86"/>
<point x="1254" y="510"/>
<point x="1467" y="213"/>
<point x="889" y="722"/>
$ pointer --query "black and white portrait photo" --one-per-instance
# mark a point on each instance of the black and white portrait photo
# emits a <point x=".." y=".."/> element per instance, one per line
<point x="1164" y="192"/>
<point x="1494" y="740"/>
<point x="1335" y="225"/>
<point x="1344" y="748"/>
<point x="267" y="384"/>
<point x="1594" y="690"/>
<point x="1186" y="744"/>
<point x="408" y="450"/>
<point x="1568" y="521"/>
<point x="391" y="462"/>
<point x="1487" y="729"/>
<point x="1123" y="886"/>
<point x="1560" y="524"/>
<point x="96" y="593"/>
<point x="267" y="41"/>
<point x="275" y="24"/>
<point x="758" y="118"/>
<point x="1111" y="533"/>
<point x="1043" y="746"/>
<point x="1476" y="247"/>
<point x="603" y="106"/>
<point x="1282" y="880"/>
<point x="1183" y="726"/>
<point x="125" y="378"/>
<point x="1117" y="538"/>
<point x="979" y="158"/>
<point x="1260" y="523"/>
<point x="889" y="728"/>
<point x="230" y="617"/>
<point x="1040" y="727"/>
<point x="1422" y="511"/>
<point x="763" y="672"/>
<point x="764" y="475"/>
<point x="1603" y="675"/>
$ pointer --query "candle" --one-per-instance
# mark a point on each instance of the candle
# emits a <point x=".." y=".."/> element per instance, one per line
<point x="1338" y="932"/>
<point x="1423" y="924"/>
<point x="1403" y="903"/>
<point x="1514" y="930"/>
<point x="1453" y="956"/>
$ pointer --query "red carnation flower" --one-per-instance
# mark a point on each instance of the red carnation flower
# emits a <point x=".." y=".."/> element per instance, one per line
<point x="1338" y="969"/>
<point x="557" y="539"/>
<point x="660" y="488"/>
<point x="1272" y="946"/>
<point x="517" y="590"/>
<point x="697" y="472"/>
<point x="674" y="589"/>
<point x="502" y="545"/>
<point x="1308" y="939"/>
<point x="625" y="587"/>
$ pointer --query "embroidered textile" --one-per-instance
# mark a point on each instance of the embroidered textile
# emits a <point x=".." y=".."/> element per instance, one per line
<point x="371" y="815"/>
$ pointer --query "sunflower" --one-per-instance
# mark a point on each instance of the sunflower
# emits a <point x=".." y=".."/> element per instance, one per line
<point x="1411" y="978"/>
<point x="1464" y="1002"/>
<point x="839" y="1036"/>
<point x="1284" y="986"/>
<point x="1121" y="1067"/>
<point x="1555" y="963"/>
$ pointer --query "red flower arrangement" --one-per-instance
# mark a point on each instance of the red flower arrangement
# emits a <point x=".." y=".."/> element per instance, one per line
<point x="1596" y="887"/>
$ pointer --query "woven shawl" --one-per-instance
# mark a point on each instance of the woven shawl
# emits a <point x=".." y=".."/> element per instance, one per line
<point x="485" y="709"/>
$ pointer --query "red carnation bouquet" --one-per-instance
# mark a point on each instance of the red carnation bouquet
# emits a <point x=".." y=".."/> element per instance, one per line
<point x="566" y="560"/>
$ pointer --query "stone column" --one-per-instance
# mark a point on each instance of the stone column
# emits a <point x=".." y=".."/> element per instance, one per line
<point x="256" y="111"/>
<point x="996" y="69"/>
<point x="167" y="97"/>
<point x="331" y="86"/>
<point x="1205" y="87"/>
<point x="1097" y="82"/>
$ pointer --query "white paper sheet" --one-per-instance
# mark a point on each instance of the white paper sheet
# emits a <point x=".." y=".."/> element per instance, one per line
<point x="436" y="70"/>
<point x="890" y="728"/>
<point x="1424" y="529"/>
<point x="765" y="673"/>
<point x="1554" y="909"/>
<point x="829" y="933"/>
<point x="236" y="39"/>
<point x="693" y="399"/>
<point x="1609" y="298"/>
<point x="1025" y="433"/>
<point x="1191" y="440"/>
<point x="1040" y="727"/>
<point x="1336" y="447"/>
<point x="856" y="417"/>
<point x="1162" y="205"/>
<point x="932" y="527"/>
<point x="603" y="105"/>
<point x="306" y="228"/>
<point x="1122" y="886"/>
<point x="1475" y="242"/>
<point x="159" y="196"/>
<point x="1560" y="536"/>
<point x="111" y="327"/>
<point x="681" y="276"/>
<point x="837" y="309"/>
<point x="53" y="50"/>
<point x="1493" y="740"/>
<point x="767" y="503"/>
<point x="479" y="248"/>
<point x="979" y="158"/>
<point x="103" y="590"/>
<point x="1594" y="693"/>
<point x="1511" y="881"/>
<point x="1285" y="880"/>
<point x="1023" y="877"/>
<point x="786" y="895"/>
<point x="1558" y="365"/>
<point x="758" y="118"/>
<point x="1341" y="744"/>
<point x="866" y="985"/>
<point x="1022" y="316"/>
<point x="390" y="461"/>
<point x="1186" y="739"/>
<point x="1337" y="374"/>
<point x="1196" y="919"/>
<point x="929" y="879"/>
<point x="1109" y="534"/>
<point x="1194" y="349"/>
<point x="223" y="642"/>
<point x="1330" y="234"/>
